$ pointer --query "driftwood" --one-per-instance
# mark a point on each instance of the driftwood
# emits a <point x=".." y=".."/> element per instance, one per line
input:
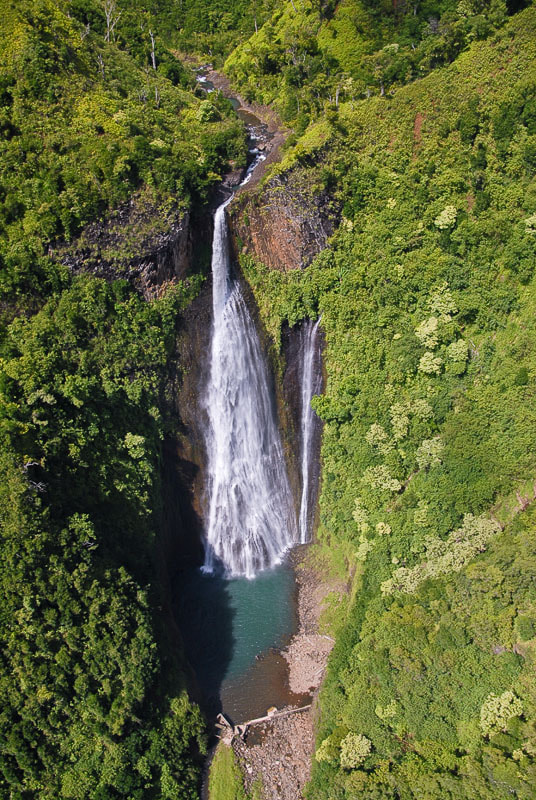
<point x="229" y="731"/>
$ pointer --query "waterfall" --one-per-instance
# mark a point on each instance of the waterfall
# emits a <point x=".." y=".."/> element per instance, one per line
<point x="311" y="384"/>
<point x="249" y="508"/>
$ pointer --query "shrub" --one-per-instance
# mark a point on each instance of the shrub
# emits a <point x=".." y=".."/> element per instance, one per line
<point x="377" y="437"/>
<point x="380" y="478"/>
<point x="386" y="712"/>
<point x="442" y="302"/>
<point x="447" y="218"/>
<point x="496" y="711"/>
<point x="458" y="350"/>
<point x="360" y="515"/>
<point x="429" y="453"/>
<point x="452" y="555"/>
<point x="430" y="364"/>
<point x="382" y="529"/>
<point x="525" y="628"/>
<point x="354" y="749"/>
<point x="427" y="333"/>
<point x="399" y="420"/>
<point x="522" y="377"/>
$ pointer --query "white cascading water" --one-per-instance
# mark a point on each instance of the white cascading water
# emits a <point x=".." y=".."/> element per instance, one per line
<point x="249" y="508"/>
<point x="311" y="384"/>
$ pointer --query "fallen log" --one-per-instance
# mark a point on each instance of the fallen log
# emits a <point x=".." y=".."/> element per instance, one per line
<point x="241" y="730"/>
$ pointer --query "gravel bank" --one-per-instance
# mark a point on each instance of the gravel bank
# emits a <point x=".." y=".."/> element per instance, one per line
<point x="280" y="750"/>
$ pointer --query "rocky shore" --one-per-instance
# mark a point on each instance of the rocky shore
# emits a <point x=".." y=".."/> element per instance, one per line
<point x="279" y="751"/>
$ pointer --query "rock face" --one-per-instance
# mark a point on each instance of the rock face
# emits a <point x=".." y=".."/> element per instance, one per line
<point x="189" y="448"/>
<point x="285" y="223"/>
<point x="291" y="389"/>
<point x="139" y="241"/>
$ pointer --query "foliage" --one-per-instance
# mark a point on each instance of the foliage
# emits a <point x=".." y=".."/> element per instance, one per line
<point x="309" y="56"/>
<point x="84" y="122"/>
<point x="225" y="780"/>
<point x="214" y="28"/>
<point x="447" y="218"/>
<point x="354" y="749"/>
<point x="94" y="704"/>
<point x="443" y="557"/>
<point x="443" y="457"/>
<point x="497" y="711"/>
<point x="428" y="306"/>
<point x="93" y="108"/>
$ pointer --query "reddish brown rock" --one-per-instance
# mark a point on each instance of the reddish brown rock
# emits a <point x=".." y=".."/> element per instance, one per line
<point x="284" y="223"/>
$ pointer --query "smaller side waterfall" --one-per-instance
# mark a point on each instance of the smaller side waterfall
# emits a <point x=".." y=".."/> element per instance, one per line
<point x="311" y="384"/>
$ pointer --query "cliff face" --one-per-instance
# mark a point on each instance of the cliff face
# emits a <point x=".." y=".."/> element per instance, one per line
<point x="292" y="355"/>
<point x="284" y="223"/>
<point x="183" y="452"/>
<point x="145" y="244"/>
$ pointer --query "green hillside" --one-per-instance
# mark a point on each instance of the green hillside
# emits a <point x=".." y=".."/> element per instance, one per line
<point x="309" y="54"/>
<point x="94" y="701"/>
<point x="427" y="297"/>
<point x="85" y="122"/>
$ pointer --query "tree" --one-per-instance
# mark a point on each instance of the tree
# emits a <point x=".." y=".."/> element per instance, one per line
<point x="112" y="15"/>
<point x="354" y="749"/>
<point x="496" y="711"/>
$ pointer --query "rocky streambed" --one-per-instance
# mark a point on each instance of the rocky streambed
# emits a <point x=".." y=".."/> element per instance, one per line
<point x="279" y="750"/>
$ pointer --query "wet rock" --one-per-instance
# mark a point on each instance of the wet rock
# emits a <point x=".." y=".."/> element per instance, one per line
<point x="233" y="179"/>
<point x="193" y="346"/>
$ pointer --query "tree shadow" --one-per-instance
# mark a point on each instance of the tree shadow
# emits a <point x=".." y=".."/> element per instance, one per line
<point x="205" y="618"/>
<point x="200" y="603"/>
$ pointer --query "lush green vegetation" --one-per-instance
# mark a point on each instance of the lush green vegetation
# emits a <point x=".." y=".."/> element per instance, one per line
<point x="226" y="779"/>
<point x="85" y="120"/>
<point x="225" y="782"/>
<point x="427" y="295"/>
<point x="311" y="53"/>
<point x="93" y="108"/>
<point x="94" y="703"/>
<point x="212" y="29"/>
<point x="424" y="133"/>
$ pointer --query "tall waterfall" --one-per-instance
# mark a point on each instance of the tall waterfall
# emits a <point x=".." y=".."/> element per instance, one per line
<point x="311" y="384"/>
<point x="250" y="515"/>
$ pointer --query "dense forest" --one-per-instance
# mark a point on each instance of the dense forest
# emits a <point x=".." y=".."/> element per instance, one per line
<point x="94" y="701"/>
<point x="418" y="122"/>
<point x="427" y="299"/>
